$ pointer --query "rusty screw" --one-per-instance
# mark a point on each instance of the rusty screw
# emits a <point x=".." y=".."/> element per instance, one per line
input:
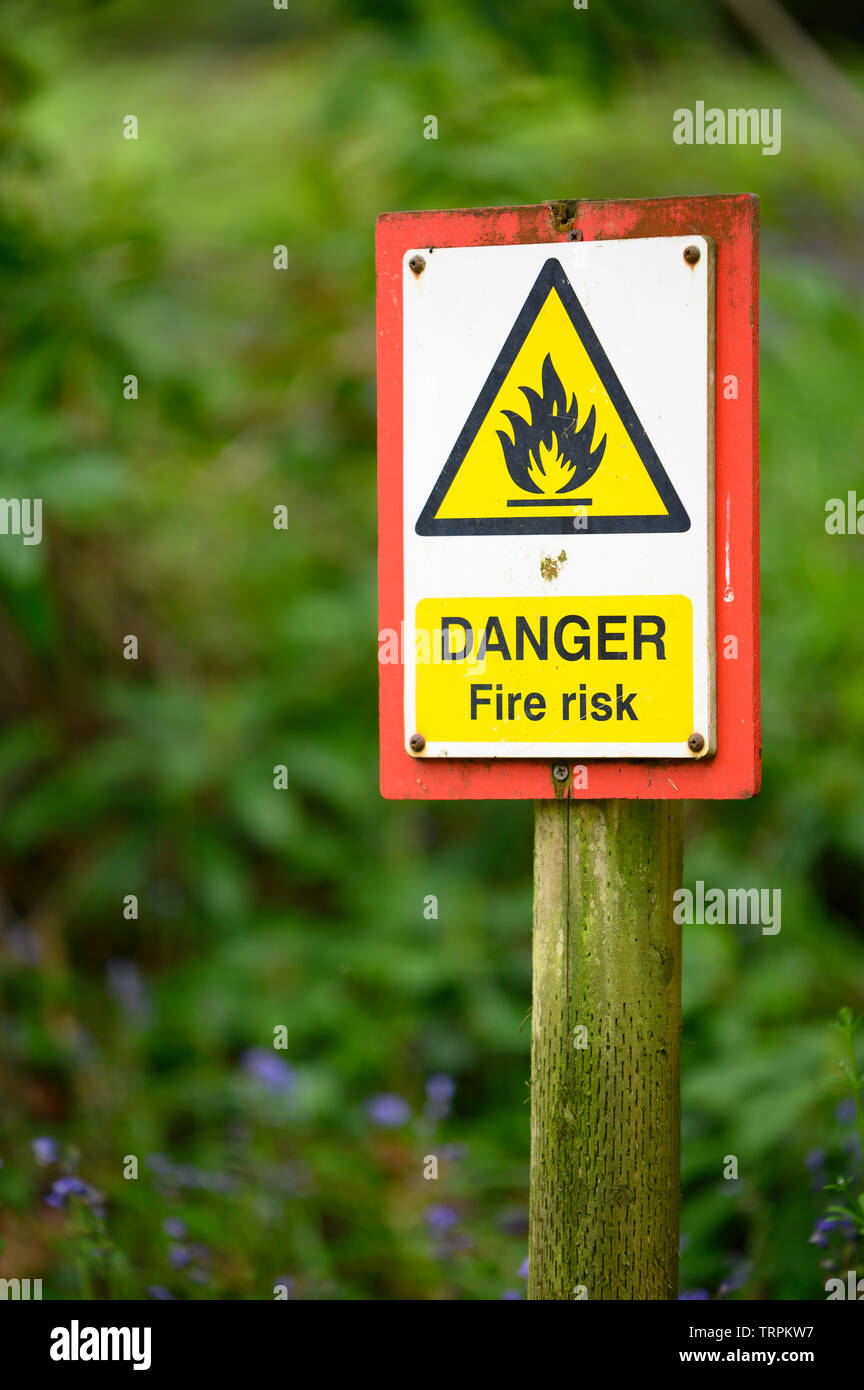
<point x="695" y="743"/>
<point x="417" y="264"/>
<point x="692" y="254"/>
<point x="416" y="743"/>
<point x="574" y="234"/>
<point x="561" y="772"/>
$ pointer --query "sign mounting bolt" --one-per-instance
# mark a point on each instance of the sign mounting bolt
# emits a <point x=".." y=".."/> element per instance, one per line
<point x="417" y="265"/>
<point x="416" y="743"/>
<point x="692" y="254"/>
<point x="695" y="743"/>
<point x="561" y="772"/>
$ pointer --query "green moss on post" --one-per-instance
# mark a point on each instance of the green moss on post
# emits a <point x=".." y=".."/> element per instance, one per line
<point x="605" y="1118"/>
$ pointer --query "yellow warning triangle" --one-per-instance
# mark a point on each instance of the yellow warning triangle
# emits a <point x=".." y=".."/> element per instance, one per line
<point x="552" y="444"/>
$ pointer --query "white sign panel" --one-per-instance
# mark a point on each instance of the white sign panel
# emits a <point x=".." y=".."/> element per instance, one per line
<point x="558" y="500"/>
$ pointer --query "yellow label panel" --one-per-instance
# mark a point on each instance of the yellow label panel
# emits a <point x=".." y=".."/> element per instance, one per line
<point x="555" y="669"/>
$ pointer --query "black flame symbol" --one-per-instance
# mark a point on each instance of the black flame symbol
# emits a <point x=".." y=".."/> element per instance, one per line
<point x="552" y="424"/>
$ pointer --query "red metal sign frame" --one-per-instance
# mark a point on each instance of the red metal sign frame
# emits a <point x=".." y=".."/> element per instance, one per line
<point x="734" y="771"/>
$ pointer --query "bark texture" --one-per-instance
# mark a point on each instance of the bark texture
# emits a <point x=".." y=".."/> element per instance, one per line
<point x="605" y="1119"/>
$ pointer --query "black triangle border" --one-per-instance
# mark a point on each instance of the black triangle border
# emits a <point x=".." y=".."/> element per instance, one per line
<point x="553" y="276"/>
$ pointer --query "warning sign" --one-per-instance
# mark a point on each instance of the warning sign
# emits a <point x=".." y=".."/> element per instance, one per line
<point x="553" y="443"/>
<point x="568" y="590"/>
<point x="557" y="501"/>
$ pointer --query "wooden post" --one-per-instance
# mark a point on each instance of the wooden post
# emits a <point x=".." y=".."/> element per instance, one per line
<point x="605" y="1117"/>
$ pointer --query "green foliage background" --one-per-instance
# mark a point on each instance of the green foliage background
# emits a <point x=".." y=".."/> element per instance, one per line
<point x="304" y="908"/>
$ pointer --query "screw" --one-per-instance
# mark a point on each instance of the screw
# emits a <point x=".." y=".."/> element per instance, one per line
<point x="574" y="234"/>
<point x="695" y="743"/>
<point x="417" y="264"/>
<point x="561" y="772"/>
<point x="416" y="743"/>
<point x="692" y="254"/>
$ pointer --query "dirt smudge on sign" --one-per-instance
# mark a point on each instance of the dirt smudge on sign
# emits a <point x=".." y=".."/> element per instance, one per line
<point x="550" y="566"/>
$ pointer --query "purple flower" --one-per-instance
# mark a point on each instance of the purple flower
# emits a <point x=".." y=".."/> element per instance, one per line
<point x="845" y="1112"/>
<point x="522" y="1271"/>
<point x="174" y="1175"/>
<point x="511" y="1296"/>
<point x="692" y="1293"/>
<point x="45" y="1150"/>
<point x="440" y="1217"/>
<point x="388" y="1111"/>
<point x="440" y="1090"/>
<point x="63" y="1188"/>
<point x="440" y="1087"/>
<point x="450" y="1243"/>
<point x="737" y="1277"/>
<point x="160" y="1164"/>
<point x="157" y="1291"/>
<point x="451" y="1153"/>
<point x="180" y="1256"/>
<point x="174" y="1228"/>
<point x="127" y="987"/>
<point x="24" y="943"/>
<point x="819" y="1237"/>
<point x="814" y="1161"/>
<point x="266" y="1066"/>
